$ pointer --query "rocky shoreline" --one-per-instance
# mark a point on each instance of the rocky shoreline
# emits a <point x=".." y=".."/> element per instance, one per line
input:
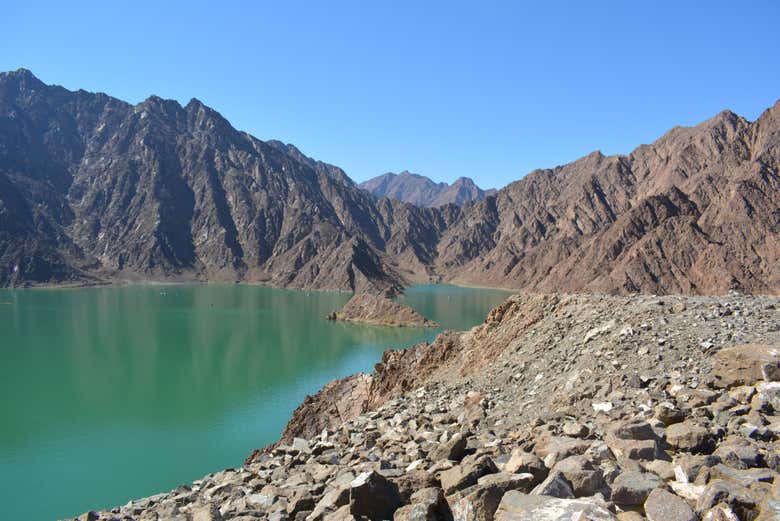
<point x="555" y="408"/>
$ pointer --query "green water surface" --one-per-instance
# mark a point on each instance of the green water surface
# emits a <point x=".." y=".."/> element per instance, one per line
<point x="109" y="394"/>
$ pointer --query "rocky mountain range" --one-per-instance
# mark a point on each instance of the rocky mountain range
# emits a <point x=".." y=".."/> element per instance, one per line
<point x="95" y="189"/>
<point x="422" y="191"/>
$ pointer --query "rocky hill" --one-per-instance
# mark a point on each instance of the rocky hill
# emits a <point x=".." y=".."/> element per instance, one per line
<point x="695" y="212"/>
<point x="422" y="191"/>
<point x="380" y="311"/>
<point x="555" y="408"/>
<point x="93" y="189"/>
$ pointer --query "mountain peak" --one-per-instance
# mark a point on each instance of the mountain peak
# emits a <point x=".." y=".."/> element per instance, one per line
<point x="24" y="77"/>
<point x="423" y="191"/>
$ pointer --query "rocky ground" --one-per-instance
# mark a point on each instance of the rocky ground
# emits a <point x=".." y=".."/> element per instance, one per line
<point x="556" y="408"/>
<point x="381" y="311"/>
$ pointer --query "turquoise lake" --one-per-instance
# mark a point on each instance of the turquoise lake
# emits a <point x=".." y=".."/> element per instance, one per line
<point x="110" y="394"/>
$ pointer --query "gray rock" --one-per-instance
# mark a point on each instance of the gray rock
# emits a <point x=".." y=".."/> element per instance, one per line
<point x="632" y="488"/>
<point x="738" y="498"/>
<point x="662" y="505"/>
<point x="516" y="506"/>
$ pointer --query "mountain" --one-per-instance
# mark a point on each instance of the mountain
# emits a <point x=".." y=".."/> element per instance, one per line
<point x="421" y="191"/>
<point x="697" y="211"/>
<point x="94" y="189"/>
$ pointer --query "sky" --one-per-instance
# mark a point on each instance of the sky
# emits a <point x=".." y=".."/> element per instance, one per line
<point x="484" y="89"/>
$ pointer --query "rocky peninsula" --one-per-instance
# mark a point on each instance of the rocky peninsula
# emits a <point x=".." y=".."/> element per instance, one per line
<point x="576" y="407"/>
<point x="379" y="310"/>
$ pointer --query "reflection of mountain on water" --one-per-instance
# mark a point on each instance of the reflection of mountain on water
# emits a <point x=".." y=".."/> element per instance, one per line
<point x="186" y="354"/>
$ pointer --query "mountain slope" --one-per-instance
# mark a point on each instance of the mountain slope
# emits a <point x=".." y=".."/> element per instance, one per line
<point x="95" y="189"/>
<point x="421" y="191"/>
<point x="695" y="212"/>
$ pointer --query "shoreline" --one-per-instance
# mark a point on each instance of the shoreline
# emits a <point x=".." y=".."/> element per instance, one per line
<point x="473" y="376"/>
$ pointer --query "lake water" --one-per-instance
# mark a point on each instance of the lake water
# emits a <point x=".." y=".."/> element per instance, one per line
<point x="110" y="394"/>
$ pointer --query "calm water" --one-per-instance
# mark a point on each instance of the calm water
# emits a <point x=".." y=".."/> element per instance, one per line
<point x="109" y="394"/>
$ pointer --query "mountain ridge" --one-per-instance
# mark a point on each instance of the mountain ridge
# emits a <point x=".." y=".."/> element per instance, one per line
<point x="423" y="191"/>
<point x="94" y="189"/>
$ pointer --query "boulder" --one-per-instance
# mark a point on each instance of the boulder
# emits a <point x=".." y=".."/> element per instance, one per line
<point x="689" y="436"/>
<point x="481" y="504"/>
<point x="301" y="501"/>
<point x="427" y="504"/>
<point x="561" y="447"/>
<point x="744" y="477"/>
<point x="662" y="505"/>
<point x="631" y="488"/>
<point x="746" y="364"/>
<point x="516" y="506"/>
<point x="585" y="478"/>
<point x="410" y="482"/>
<point x="738" y="498"/>
<point x="373" y="496"/>
<point x="466" y="474"/>
<point x="767" y="398"/>
<point x="454" y="449"/>
<point x="330" y="502"/>
<point x="739" y="453"/>
<point x="634" y="439"/>
<point x="522" y="462"/>
<point x="555" y="485"/>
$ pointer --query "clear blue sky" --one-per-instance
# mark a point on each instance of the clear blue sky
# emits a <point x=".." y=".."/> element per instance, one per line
<point x="486" y="89"/>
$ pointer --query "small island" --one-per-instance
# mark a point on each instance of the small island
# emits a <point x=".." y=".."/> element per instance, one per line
<point x="381" y="311"/>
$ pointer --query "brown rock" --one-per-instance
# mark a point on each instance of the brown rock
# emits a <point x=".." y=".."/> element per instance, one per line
<point x="481" y="504"/>
<point x="635" y="440"/>
<point x="379" y="310"/>
<point x="466" y="474"/>
<point x="746" y="365"/>
<point x="522" y="462"/>
<point x="579" y="471"/>
<point x="454" y="449"/>
<point x="427" y="504"/>
<point x="689" y="436"/>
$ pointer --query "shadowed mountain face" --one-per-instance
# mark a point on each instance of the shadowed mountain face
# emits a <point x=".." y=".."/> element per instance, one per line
<point x="92" y="188"/>
<point x="421" y="191"/>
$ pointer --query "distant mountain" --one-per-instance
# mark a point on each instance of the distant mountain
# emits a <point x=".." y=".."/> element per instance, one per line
<point x="422" y="191"/>
<point x="95" y="189"/>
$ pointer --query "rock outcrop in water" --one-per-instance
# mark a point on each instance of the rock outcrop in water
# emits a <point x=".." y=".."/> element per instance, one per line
<point x="421" y="191"/>
<point x="93" y="189"/>
<point x="380" y="311"/>
<point x="555" y="408"/>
